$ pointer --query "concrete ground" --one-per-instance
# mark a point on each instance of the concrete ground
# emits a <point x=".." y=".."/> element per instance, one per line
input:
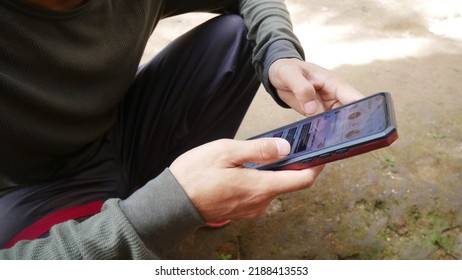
<point x="402" y="202"/>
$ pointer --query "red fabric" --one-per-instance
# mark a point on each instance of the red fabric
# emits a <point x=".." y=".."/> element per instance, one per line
<point x="43" y="225"/>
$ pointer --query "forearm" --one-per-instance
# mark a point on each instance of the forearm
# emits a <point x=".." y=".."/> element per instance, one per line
<point x="162" y="213"/>
<point x="268" y="21"/>
<point x="270" y="30"/>
<point x="107" y="235"/>
<point x="271" y="35"/>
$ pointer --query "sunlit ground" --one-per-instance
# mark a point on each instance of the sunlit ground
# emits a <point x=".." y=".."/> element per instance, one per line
<point x="377" y="30"/>
<point x="332" y="38"/>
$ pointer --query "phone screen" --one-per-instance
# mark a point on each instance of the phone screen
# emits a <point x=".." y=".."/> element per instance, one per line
<point x="337" y="126"/>
<point x="350" y="130"/>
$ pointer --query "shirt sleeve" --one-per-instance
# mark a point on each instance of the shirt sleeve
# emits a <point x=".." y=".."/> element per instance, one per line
<point x="271" y="36"/>
<point x="153" y="219"/>
<point x="107" y="235"/>
<point x="162" y="213"/>
<point x="270" y="30"/>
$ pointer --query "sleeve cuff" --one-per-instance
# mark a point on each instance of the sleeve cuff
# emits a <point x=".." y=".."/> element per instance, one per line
<point x="161" y="213"/>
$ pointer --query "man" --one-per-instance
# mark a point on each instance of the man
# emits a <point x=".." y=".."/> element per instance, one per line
<point x="122" y="160"/>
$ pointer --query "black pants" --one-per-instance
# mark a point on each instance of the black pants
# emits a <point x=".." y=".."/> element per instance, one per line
<point x="196" y="90"/>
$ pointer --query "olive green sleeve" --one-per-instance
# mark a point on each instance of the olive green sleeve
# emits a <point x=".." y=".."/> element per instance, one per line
<point x="107" y="235"/>
<point x="270" y="30"/>
<point x="268" y="21"/>
<point x="153" y="219"/>
<point x="271" y="36"/>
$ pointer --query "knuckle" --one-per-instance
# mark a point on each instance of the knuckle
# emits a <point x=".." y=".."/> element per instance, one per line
<point x="266" y="150"/>
<point x="222" y="145"/>
<point x="306" y="89"/>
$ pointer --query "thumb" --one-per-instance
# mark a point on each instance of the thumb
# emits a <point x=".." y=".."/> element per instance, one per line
<point x="262" y="150"/>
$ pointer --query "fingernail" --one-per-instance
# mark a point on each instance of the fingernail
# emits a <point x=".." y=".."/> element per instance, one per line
<point x="283" y="147"/>
<point x="310" y="107"/>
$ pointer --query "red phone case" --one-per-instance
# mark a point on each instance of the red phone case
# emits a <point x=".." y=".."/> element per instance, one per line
<point x="342" y="154"/>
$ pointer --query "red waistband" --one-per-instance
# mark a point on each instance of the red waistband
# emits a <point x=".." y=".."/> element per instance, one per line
<point x="44" y="225"/>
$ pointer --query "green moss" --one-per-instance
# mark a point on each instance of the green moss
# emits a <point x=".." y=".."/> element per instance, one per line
<point x="446" y="242"/>
<point x="389" y="161"/>
<point x="439" y="136"/>
<point x="224" y="257"/>
<point x="438" y="221"/>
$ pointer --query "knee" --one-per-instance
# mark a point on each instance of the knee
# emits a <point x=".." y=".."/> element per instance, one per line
<point x="233" y="21"/>
<point x="231" y="26"/>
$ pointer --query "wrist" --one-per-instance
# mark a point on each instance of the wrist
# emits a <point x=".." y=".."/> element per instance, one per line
<point x="161" y="213"/>
<point x="281" y="49"/>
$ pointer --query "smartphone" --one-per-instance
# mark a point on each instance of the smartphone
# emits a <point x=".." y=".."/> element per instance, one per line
<point x="362" y="126"/>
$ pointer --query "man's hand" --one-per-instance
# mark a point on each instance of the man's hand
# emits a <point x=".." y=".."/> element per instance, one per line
<point x="308" y="88"/>
<point x="213" y="175"/>
<point x="220" y="187"/>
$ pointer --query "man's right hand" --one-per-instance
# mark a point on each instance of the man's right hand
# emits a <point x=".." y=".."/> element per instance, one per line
<point x="222" y="189"/>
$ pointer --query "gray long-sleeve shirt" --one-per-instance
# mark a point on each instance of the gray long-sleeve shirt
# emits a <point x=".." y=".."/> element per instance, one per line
<point x="95" y="50"/>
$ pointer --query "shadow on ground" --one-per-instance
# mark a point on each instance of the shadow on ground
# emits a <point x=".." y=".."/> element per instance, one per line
<point x="402" y="202"/>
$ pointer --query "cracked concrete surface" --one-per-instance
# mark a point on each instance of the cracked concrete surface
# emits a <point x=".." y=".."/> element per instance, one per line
<point x="402" y="202"/>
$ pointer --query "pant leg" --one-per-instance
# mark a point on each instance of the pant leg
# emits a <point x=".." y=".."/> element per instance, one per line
<point x="196" y="90"/>
<point x="96" y="180"/>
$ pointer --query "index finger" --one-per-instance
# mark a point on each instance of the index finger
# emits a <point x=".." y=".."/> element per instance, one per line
<point x="285" y="181"/>
<point x="332" y="88"/>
